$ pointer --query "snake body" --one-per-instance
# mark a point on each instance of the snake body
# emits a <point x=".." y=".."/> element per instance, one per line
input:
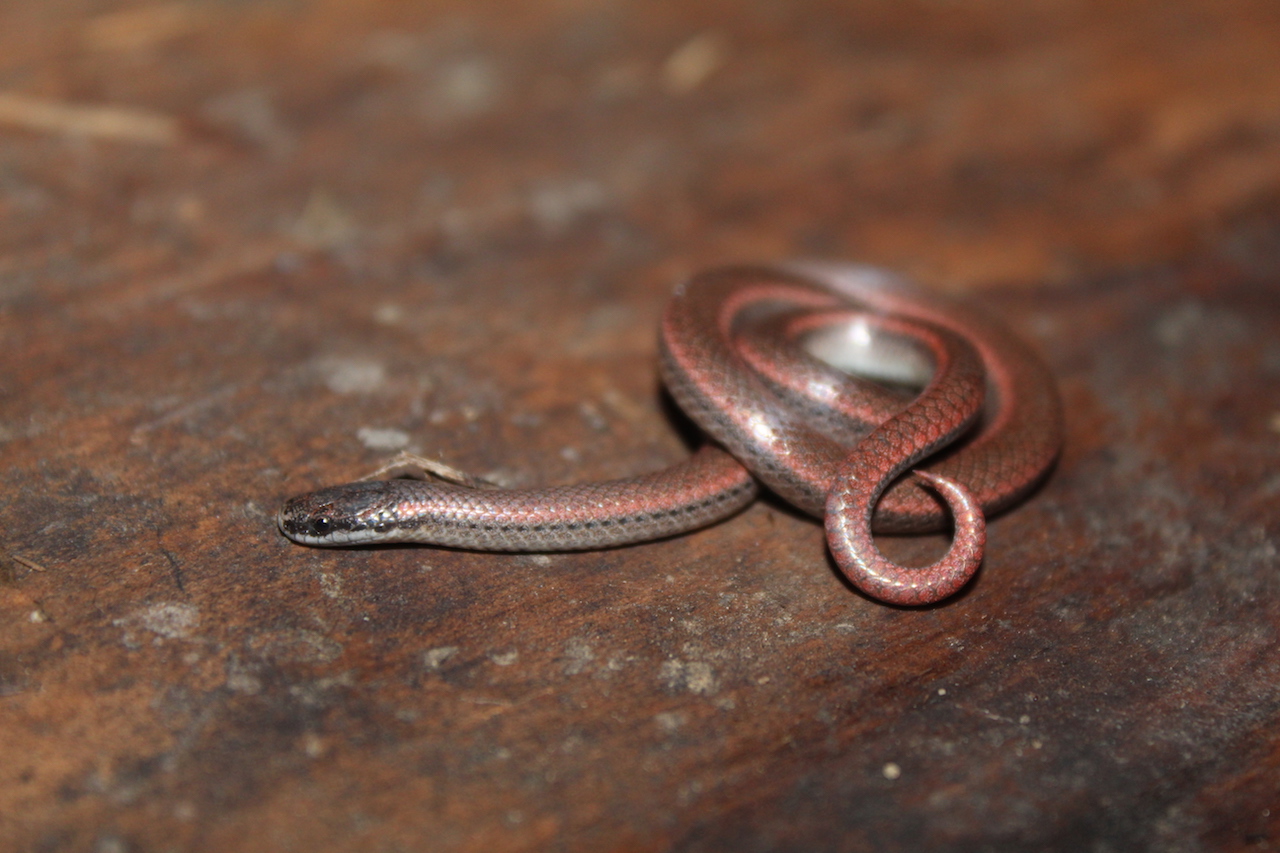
<point x="833" y="445"/>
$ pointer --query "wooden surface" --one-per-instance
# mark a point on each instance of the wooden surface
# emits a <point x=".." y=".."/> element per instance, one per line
<point x="251" y="248"/>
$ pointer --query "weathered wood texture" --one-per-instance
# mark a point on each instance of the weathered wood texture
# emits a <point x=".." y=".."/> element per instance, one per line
<point x="249" y="248"/>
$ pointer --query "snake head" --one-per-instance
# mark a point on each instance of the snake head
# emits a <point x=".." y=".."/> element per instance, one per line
<point x="353" y="514"/>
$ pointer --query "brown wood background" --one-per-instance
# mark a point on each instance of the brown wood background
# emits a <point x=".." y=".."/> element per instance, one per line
<point x="251" y="248"/>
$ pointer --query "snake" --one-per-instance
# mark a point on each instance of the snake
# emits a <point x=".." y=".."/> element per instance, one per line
<point x="867" y="453"/>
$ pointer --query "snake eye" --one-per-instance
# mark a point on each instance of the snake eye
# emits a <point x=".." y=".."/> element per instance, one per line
<point x="382" y="526"/>
<point x="320" y="526"/>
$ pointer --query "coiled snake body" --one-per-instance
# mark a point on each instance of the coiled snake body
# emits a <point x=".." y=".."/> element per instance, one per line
<point x="833" y="444"/>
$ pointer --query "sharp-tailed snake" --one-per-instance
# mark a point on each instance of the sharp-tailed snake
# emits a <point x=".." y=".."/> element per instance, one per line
<point x="798" y="373"/>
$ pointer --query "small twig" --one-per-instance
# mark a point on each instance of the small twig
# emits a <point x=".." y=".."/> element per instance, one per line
<point x="30" y="564"/>
<point x="125" y="124"/>
<point x="417" y="467"/>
